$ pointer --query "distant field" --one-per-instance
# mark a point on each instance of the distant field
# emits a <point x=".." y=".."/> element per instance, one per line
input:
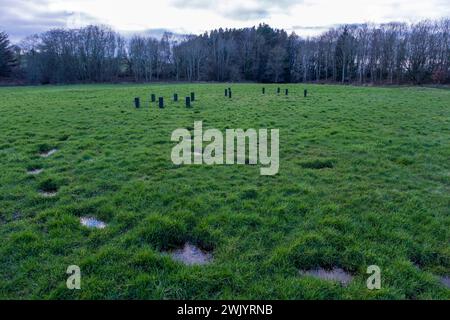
<point x="364" y="180"/>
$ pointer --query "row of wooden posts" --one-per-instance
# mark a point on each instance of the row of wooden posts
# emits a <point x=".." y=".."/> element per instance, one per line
<point x="228" y="92"/>
<point x="286" y="91"/>
<point x="137" y="101"/>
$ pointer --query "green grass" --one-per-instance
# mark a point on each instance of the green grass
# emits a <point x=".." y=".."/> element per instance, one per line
<point x="364" y="179"/>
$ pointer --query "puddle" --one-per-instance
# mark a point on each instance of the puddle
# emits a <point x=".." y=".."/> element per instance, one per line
<point x="336" y="274"/>
<point x="48" y="153"/>
<point x="92" y="223"/>
<point x="48" y="194"/>
<point x="191" y="255"/>
<point x="445" y="281"/>
<point x="35" y="171"/>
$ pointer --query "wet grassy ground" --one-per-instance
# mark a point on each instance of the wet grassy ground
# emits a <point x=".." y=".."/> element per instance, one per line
<point x="364" y="180"/>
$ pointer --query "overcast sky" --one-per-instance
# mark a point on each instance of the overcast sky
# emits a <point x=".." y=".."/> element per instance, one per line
<point x="20" y="18"/>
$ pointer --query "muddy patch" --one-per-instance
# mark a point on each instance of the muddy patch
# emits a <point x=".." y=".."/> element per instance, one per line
<point x="335" y="274"/>
<point x="90" y="222"/>
<point x="191" y="255"/>
<point x="34" y="171"/>
<point x="48" y="153"/>
<point x="445" y="281"/>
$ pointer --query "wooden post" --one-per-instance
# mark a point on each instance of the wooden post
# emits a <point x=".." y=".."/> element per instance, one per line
<point x="175" y="97"/>
<point x="263" y="90"/>
<point x="278" y="90"/>
<point x="305" y="93"/>
<point x="188" y="102"/>
<point x="229" y="93"/>
<point x="287" y="92"/>
<point x="161" y="102"/>
<point x="137" y="103"/>
<point x="192" y="96"/>
<point x="153" y="98"/>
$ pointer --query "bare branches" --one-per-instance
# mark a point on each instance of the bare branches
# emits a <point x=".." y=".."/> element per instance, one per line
<point x="389" y="53"/>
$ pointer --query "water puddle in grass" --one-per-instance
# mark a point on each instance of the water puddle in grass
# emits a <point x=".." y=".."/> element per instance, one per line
<point x="92" y="223"/>
<point x="48" y="153"/>
<point x="48" y="194"/>
<point x="191" y="255"/>
<point x="445" y="281"/>
<point x="336" y="274"/>
<point x="34" y="171"/>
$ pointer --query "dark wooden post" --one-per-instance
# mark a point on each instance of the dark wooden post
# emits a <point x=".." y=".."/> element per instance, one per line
<point x="263" y="90"/>
<point x="278" y="90"/>
<point x="153" y="98"/>
<point x="229" y="93"/>
<point x="161" y="102"/>
<point x="192" y="96"/>
<point x="305" y="93"/>
<point x="137" y="102"/>
<point x="287" y="92"/>
<point x="188" y="102"/>
<point x="175" y="97"/>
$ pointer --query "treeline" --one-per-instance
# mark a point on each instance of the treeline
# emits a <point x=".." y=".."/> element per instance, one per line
<point x="391" y="53"/>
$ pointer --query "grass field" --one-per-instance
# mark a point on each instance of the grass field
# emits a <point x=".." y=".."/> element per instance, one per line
<point x="364" y="180"/>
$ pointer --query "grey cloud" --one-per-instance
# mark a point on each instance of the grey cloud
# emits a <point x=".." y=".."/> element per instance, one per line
<point x="20" y="18"/>
<point x="206" y="4"/>
<point x="313" y="28"/>
<point x="238" y="11"/>
<point x="195" y="4"/>
<point x="402" y="11"/>
<point x="247" y="14"/>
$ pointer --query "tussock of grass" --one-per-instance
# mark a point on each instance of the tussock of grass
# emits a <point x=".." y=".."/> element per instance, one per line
<point x="44" y="147"/>
<point x="48" y="185"/>
<point x="404" y="161"/>
<point x="317" y="164"/>
<point x="161" y="233"/>
<point x="250" y="194"/>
